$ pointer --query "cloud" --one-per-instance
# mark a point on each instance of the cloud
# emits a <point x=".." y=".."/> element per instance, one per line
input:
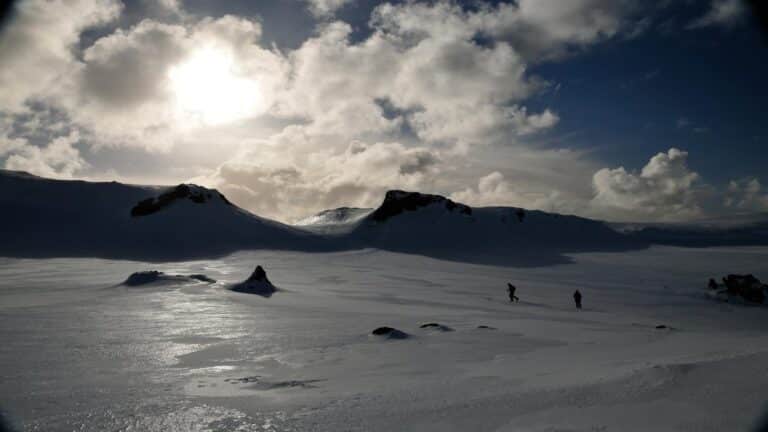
<point x="665" y="190"/>
<point x="494" y="190"/>
<point x="271" y="186"/>
<point x="58" y="159"/>
<point x="435" y="98"/>
<point x="547" y="29"/>
<point x="36" y="46"/>
<point x="124" y="91"/>
<point x="720" y="13"/>
<point x="746" y="195"/>
<point x="326" y="8"/>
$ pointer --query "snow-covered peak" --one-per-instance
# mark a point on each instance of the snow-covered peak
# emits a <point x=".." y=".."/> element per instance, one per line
<point x="337" y="216"/>
<point x="398" y="201"/>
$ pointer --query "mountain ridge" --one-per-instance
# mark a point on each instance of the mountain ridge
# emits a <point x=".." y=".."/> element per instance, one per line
<point x="51" y="218"/>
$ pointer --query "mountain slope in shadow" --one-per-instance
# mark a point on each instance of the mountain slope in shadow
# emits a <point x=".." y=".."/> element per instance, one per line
<point x="55" y="218"/>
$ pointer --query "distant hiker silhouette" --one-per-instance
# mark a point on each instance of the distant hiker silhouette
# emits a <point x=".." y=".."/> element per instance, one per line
<point x="577" y="299"/>
<point x="511" y="290"/>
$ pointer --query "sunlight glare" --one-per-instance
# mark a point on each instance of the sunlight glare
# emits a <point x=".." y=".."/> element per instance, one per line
<point x="207" y="87"/>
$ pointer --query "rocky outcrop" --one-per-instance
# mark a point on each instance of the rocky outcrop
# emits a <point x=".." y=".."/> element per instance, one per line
<point x="257" y="283"/>
<point x="194" y="193"/>
<point x="746" y="287"/>
<point x="397" y="202"/>
<point x="389" y="333"/>
<point x="436" y="327"/>
<point x="154" y="276"/>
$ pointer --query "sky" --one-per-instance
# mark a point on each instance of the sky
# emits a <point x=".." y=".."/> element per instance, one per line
<point x="623" y="110"/>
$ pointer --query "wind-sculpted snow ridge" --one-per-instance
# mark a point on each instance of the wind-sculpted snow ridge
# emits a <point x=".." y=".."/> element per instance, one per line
<point x="56" y="218"/>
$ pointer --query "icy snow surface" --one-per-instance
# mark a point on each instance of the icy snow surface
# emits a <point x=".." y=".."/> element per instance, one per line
<point x="80" y="352"/>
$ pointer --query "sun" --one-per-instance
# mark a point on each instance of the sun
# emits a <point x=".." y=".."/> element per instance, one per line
<point x="206" y="87"/>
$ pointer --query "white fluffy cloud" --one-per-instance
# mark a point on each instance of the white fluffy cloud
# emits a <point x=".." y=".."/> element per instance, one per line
<point x="665" y="189"/>
<point x="58" y="159"/>
<point x="494" y="190"/>
<point x="542" y="29"/>
<point x="434" y="99"/>
<point x="746" y="195"/>
<point x="36" y="47"/>
<point x="325" y="8"/>
<point x="290" y="190"/>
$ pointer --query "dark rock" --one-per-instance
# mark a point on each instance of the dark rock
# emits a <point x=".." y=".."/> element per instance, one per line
<point x="485" y="327"/>
<point x="661" y="326"/>
<point x="397" y="201"/>
<point x="520" y="213"/>
<point x="390" y="333"/>
<point x="153" y="205"/>
<point x="143" y="277"/>
<point x="436" y="326"/>
<point x="257" y="283"/>
<point x="747" y="287"/>
<point x="202" y="278"/>
<point x="152" y="276"/>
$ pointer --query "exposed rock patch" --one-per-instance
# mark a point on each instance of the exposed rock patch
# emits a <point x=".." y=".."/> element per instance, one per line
<point x="257" y="283"/>
<point x="745" y="287"/>
<point x="397" y="201"/>
<point x="194" y="193"/>
<point x="390" y="333"/>
<point x="436" y="326"/>
<point x="154" y="276"/>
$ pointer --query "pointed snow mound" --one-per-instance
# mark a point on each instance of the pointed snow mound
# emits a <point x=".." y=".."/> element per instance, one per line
<point x="257" y="283"/>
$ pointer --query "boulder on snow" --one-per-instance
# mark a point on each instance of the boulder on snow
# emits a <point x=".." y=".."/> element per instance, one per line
<point x="257" y="283"/>
<point x="152" y="276"/>
<point x="436" y="326"/>
<point x="746" y="287"/>
<point x="389" y="333"/>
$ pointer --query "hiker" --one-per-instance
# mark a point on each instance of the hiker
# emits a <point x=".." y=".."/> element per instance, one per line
<point x="577" y="299"/>
<point x="511" y="289"/>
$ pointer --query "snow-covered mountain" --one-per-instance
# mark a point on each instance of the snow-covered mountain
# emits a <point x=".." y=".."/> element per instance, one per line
<point x="333" y="221"/>
<point x="44" y="217"/>
<point x="437" y="226"/>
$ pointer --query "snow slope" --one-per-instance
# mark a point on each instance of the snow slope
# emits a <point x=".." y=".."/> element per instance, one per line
<point x="49" y="218"/>
<point x="80" y="353"/>
<point x="436" y="226"/>
<point x="43" y="217"/>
